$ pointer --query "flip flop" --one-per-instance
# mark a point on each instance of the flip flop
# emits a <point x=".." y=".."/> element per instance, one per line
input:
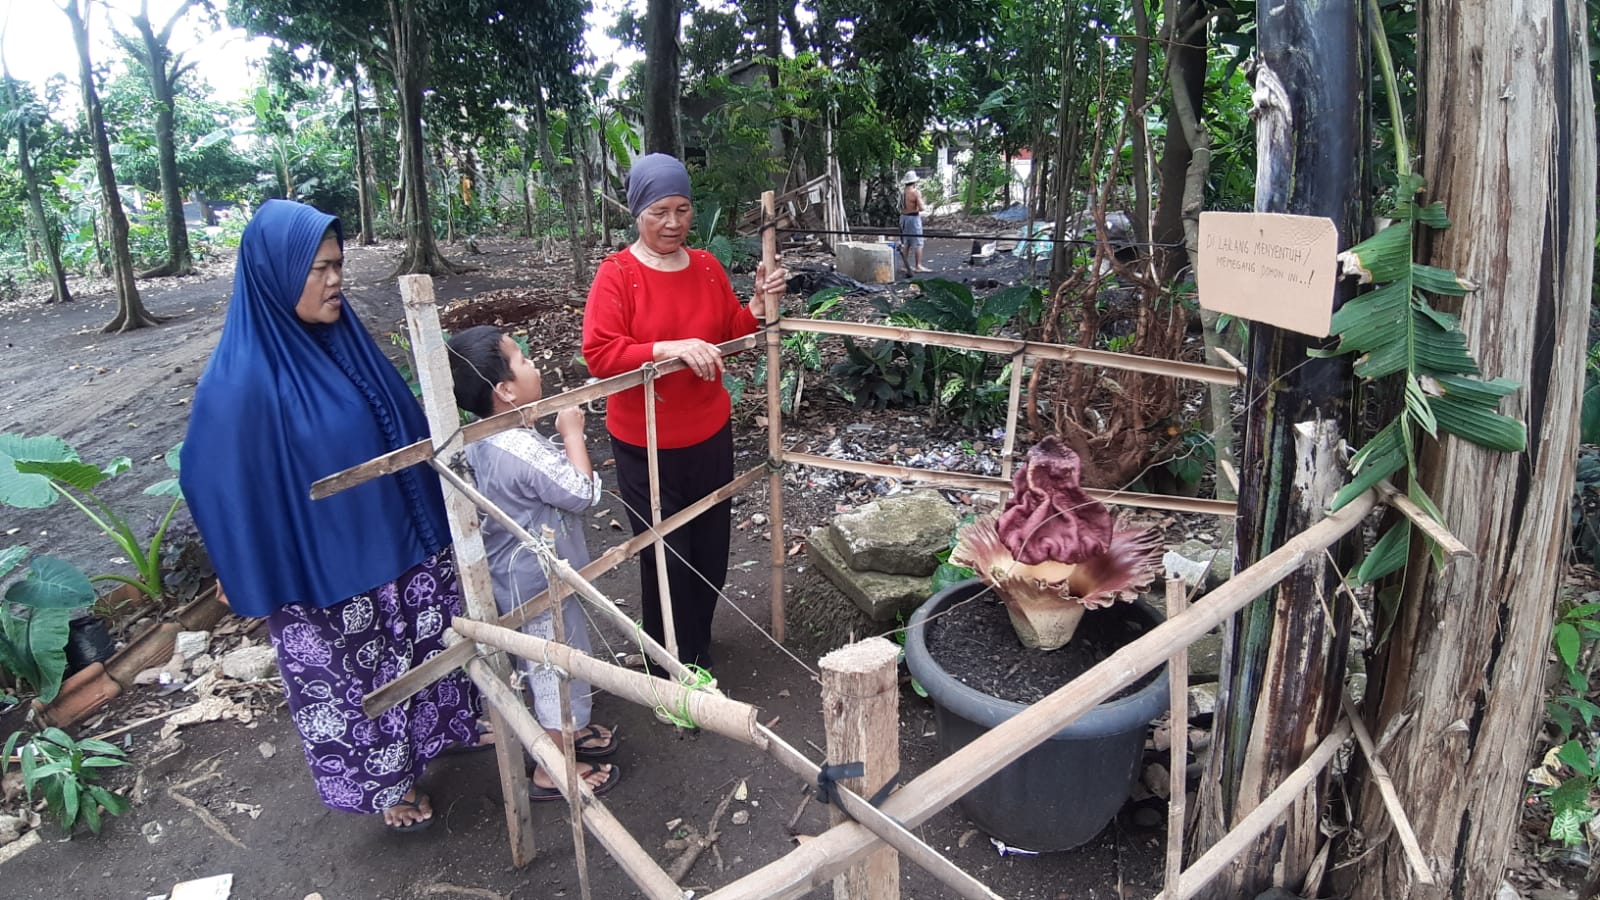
<point x="419" y="825"/>
<point x="613" y="775"/>
<point x="591" y="752"/>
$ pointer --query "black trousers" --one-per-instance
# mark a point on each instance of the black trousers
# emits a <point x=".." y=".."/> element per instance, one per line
<point x="687" y="474"/>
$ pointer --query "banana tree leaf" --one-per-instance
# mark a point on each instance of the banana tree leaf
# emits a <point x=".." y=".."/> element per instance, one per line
<point x="1382" y="258"/>
<point x="52" y="584"/>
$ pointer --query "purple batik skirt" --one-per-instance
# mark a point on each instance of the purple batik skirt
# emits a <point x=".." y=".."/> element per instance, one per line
<point x="331" y="658"/>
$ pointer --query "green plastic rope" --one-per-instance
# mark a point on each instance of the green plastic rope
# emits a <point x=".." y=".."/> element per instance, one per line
<point x="695" y="679"/>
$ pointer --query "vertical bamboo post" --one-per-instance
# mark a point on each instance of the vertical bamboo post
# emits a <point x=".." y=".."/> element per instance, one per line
<point x="861" y="714"/>
<point x="1178" y="729"/>
<point x="472" y="564"/>
<point x="569" y="746"/>
<point x="652" y="454"/>
<point x="1013" y="401"/>
<point x="769" y="258"/>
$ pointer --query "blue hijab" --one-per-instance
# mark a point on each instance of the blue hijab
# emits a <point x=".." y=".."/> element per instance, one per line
<point x="283" y="403"/>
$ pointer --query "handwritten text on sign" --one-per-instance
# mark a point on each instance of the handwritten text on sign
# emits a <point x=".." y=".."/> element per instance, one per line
<point x="1269" y="267"/>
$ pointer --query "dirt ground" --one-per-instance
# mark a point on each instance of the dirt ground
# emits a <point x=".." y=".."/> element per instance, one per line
<point x="235" y="798"/>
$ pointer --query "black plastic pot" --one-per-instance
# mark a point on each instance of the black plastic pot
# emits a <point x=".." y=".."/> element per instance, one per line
<point x="1063" y="792"/>
<point x="88" y="642"/>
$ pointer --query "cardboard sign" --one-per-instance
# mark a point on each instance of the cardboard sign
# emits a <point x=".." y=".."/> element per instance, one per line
<point x="1269" y="267"/>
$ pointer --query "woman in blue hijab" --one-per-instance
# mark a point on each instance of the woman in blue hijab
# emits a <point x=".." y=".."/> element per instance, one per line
<point x="356" y="588"/>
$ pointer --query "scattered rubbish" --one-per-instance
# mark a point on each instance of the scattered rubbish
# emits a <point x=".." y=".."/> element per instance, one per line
<point x="1003" y="850"/>
<point x="741" y="792"/>
<point x="217" y="887"/>
<point x="966" y="838"/>
<point x="266" y="749"/>
<point x="152" y="832"/>
<point x="740" y="817"/>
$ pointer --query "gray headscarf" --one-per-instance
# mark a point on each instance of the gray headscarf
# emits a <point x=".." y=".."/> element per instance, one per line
<point x="653" y="177"/>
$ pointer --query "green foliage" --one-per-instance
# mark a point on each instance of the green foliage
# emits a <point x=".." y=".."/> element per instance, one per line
<point x="35" y="618"/>
<point x="1576" y="633"/>
<point x="1397" y="332"/>
<point x="66" y="774"/>
<point x="802" y="352"/>
<point x="35" y="472"/>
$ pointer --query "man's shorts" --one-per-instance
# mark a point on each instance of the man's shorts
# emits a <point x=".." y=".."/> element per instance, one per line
<point x="911" y="232"/>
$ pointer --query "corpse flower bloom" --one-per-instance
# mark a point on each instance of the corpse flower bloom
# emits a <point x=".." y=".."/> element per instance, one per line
<point x="1054" y="552"/>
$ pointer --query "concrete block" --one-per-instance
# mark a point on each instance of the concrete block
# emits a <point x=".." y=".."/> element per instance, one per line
<point x="899" y="535"/>
<point x="867" y="262"/>
<point x="880" y="596"/>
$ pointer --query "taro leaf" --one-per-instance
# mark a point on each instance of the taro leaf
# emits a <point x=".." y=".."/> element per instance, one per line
<point x="23" y="490"/>
<point x="52" y="584"/>
<point x="42" y="639"/>
<point x="175" y="457"/>
<point x="10" y="558"/>
<point x="73" y="474"/>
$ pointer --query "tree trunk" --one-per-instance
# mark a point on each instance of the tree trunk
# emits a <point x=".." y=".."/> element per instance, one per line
<point x="44" y="235"/>
<point x="410" y="56"/>
<point x="1138" y="130"/>
<point x="131" y="313"/>
<point x="661" y="79"/>
<point x="1509" y="146"/>
<point x="1284" y="656"/>
<point x="163" y="71"/>
<point x="363" y="172"/>
<point x="563" y="176"/>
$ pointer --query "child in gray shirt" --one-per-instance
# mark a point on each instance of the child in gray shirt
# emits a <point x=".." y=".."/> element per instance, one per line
<point x="539" y="482"/>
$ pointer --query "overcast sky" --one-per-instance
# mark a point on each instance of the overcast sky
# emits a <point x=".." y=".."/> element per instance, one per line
<point x="38" y="41"/>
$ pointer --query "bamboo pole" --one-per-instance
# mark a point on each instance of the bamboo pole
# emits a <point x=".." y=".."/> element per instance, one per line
<point x="1013" y="401"/>
<point x="1128" y="362"/>
<point x="419" y="677"/>
<point x="1178" y="734"/>
<point x="472" y="564"/>
<point x="663" y="584"/>
<point x="1223" y="852"/>
<point x="841" y="846"/>
<point x="991" y="483"/>
<point x="1433" y="528"/>
<point x="422" y="451"/>
<point x="627" y="853"/>
<point x="1391" y="799"/>
<point x="569" y="747"/>
<point x="861" y="717"/>
<point x="706" y="708"/>
<point x="769" y="260"/>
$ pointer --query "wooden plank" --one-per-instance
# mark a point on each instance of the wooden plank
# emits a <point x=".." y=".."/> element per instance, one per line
<point x="841" y="846"/>
<point x="453" y="658"/>
<point x="472" y="564"/>
<point x="1013" y="402"/>
<point x="990" y="483"/>
<point x="861" y="718"/>
<point x="769" y="258"/>
<point x="1011" y="346"/>
<point x="1178" y="733"/>
<point x="627" y="853"/>
<point x="422" y="451"/>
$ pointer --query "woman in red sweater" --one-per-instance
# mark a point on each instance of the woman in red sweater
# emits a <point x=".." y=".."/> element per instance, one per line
<point x="655" y="301"/>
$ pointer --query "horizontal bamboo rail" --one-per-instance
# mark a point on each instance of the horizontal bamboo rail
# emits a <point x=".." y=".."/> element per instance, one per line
<point x="634" y="859"/>
<point x="707" y="709"/>
<point x="1106" y="359"/>
<point x="836" y="849"/>
<point x="451" y="658"/>
<point x="423" y="450"/>
<point x="968" y="482"/>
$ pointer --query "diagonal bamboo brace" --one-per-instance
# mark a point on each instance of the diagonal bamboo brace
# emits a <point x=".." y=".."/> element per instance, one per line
<point x="633" y="859"/>
<point x="706" y="709"/>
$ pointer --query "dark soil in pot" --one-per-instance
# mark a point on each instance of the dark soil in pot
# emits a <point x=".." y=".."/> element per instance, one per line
<point x="975" y="643"/>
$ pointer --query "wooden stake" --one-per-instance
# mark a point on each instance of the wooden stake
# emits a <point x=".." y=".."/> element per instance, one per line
<point x="861" y="715"/>
<point x="627" y="853"/>
<point x="991" y="483"/>
<point x="569" y="746"/>
<point x="663" y="584"/>
<point x="769" y="259"/>
<point x="472" y="564"/>
<point x="1012" y="403"/>
<point x="1391" y="799"/>
<point x="1222" y="853"/>
<point x="1178" y="732"/>
<point x="382" y="699"/>
<point x="840" y="847"/>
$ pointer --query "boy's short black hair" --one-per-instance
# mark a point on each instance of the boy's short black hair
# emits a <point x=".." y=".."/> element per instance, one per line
<point x="477" y="365"/>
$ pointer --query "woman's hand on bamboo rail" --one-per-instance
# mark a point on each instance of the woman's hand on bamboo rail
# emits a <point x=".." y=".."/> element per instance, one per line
<point x="702" y="358"/>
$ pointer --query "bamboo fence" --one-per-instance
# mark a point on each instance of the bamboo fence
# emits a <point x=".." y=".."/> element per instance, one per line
<point x="869" y="828"/>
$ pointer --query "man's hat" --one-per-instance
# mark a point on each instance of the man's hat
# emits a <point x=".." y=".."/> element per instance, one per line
<point x="910" y="177"/>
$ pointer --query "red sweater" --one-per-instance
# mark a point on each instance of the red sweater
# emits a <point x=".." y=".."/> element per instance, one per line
<point x="630" y="308"/>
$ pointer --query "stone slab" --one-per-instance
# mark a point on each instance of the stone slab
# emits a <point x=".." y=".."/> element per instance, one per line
<point x="865" y="261"/>
<point x="899" y="535"/>
<point x="881" y="596"/>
